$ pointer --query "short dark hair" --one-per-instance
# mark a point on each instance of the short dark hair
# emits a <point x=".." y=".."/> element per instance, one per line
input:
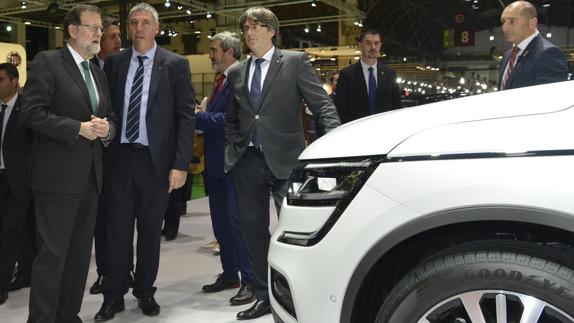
<point x="107" y="22"/>
<point x="369" y="31"/>
<point x="263" y="16"/>
<point x="74" y="16"/>
<point x="10" y="69"/>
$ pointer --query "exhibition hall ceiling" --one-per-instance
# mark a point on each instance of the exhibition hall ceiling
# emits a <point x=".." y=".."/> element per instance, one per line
<point x="412" y="28"/>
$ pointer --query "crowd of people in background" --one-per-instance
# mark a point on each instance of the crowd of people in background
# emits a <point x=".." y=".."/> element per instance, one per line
<point x="99" y="144"/>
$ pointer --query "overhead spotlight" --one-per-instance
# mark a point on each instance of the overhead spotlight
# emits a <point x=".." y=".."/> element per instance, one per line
<point x="188" y="11"/>
<point x="318" y="28"/>
<point x="23" y="6"/>
<point x="360" y="24"/>
<point x="475" y="6"/>
<point x="548" y="35"/>
<point x="313" y="3"/>
<point x="27" y="23"/>
<point x="546" y="3"/>
<point x="208" y="15"/>
<point x="8" y="28"/>
<point x="179" y="7"/>
<point x="307" y="29"/>
<point x="53" y="7"/>
<point x="491" y="38"/>
<point x="462" y="81"/>
<point x="162" y="33"/>
<point x="167" y="4"/>
<point x="404" y="59"/>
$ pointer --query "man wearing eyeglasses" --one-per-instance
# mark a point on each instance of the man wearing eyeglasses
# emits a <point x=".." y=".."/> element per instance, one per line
<point x="66" y="104"/>
<point x="264" y="134"/>
<point x="152" y="93"/>
<point x="367" y="87"/>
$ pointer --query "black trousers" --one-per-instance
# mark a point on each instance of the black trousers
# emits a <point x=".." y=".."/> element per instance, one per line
<point x="12" y="224"/>
<point x="176" y="206"/>
<point x="65" y="226"/>
<point x="254" y="183"/>
<point x="134" y="194"/>
<point x="28" y="250"/>
<point x="101" y="241"/>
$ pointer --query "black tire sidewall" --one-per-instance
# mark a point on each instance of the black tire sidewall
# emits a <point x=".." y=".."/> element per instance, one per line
<point x="452" y="275"/>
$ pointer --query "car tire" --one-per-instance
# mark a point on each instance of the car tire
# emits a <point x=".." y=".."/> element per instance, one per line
<point x="465" y="285"/>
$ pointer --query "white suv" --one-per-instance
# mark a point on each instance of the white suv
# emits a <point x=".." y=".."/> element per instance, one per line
<point x="457" y="211"/>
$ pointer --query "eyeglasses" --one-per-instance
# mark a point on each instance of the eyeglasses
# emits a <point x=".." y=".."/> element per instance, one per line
<point x="93" y="28"/>
<point x="255" y="28"/>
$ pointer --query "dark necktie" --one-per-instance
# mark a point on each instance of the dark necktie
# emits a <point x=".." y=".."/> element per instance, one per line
<point x="372" y="91"/>
<point x="255" y="90"/>
<point x="218" y="86"/>
<point x="133" y="121"/>
<point x="511" y="63"/>
<point x="4" y="106"/>
<point x="255" y="97"/>
<point x="90" y="85"/>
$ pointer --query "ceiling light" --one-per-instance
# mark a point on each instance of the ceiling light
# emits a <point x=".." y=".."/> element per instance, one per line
<point x="8" y="28"/>
<point x="162" y="32"/>
<point x="546" y="3"/>
<point x="27" y="23"/>
<point x="307" y="29"/>
<point x="208" y="15"/>
<point x="313" y="3"/>
<point x="167" y="4"/>
<point x="23" y="5"/>
<point x="318" y="28"/>
<point x="188" y="11"/>
<point x="548" y="35"/>
<point x="179" y="7"/>
<point x="491" y="37"/>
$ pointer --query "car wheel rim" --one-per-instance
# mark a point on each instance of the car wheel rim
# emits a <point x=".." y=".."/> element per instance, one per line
<point x="494" y="306"/>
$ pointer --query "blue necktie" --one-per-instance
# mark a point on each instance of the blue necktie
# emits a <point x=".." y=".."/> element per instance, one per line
<point x="255" y="90"/>
<point x="133" y="121"/>
<point x="372" y="91"/>
<point x="2" y="112"/>
<point x="255" y="97"/>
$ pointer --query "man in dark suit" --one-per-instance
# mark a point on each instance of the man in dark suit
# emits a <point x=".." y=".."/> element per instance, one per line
<point x="15" y="150"/>
<point x="532" y="60"/>
<point x="264" y="133"/>
<point x="152" y="94"/>
<point x="368" y="86"/>
<point x="66" y="104"/>
<point x="225" y="51"/>
<point x="109" y="44"/>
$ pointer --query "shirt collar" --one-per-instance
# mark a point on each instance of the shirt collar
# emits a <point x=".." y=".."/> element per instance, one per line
<point x="229" y="67"/>
<point x="77" y="57"/>
<point x="267" y="56"/>
<point x="150" y="54"/>
<point x="12" y="101"/>
<point x="523" y="44"/>
<point x="365" y="66"/>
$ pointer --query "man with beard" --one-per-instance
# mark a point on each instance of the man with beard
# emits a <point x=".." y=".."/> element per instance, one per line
<point x="225" y="52"/>
<point x="368" y="86"/>
<point x="66" y="104"/>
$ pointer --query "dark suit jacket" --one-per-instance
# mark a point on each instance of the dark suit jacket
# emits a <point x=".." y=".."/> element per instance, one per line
<point x="352" y="98"/>
<point x="541" y="62"/>
<point x="54" y="102"/>
<point x="290" y="79"/>
<point x="170" y="110"/>
<point x="17" y="152"/>
<point x="212" y="122"/>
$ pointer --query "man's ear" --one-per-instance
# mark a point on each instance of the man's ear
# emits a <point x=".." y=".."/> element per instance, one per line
<point x="73" y="31"/>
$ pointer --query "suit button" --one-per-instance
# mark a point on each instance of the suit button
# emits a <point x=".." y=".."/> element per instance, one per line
<point x="256" y="116"/>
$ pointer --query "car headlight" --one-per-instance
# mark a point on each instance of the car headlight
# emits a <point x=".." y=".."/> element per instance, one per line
<point x="321" y="184"/>
<point x="326" y="184"/>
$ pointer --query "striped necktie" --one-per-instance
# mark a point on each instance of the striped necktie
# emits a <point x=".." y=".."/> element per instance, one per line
<point x="511" y="63"/>
<point x="133" y="121"/>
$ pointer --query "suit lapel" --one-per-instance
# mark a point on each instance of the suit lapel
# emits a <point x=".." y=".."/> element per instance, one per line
<point x="72" y="69"/>
<point x="156" y="72"/>
<point x="12" y="119"/>
<point x="274" y="67"/>
<point x="361" y="80"/>
<point x="520" y="59"/>
<point x="124" y="66"/>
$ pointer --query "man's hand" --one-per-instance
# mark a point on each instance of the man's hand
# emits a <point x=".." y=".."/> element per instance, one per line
<point x="100" y="127"/>
<point x="176" y="179"/>
<point x="87" y="131"/>
<point x="198" y="108"/>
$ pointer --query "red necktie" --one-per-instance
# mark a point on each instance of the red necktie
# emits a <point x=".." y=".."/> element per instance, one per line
<point x="511" y="63"/>
<point x="219" y="85"/>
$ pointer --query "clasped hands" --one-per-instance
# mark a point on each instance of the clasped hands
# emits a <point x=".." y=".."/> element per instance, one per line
<point x="95" y="128"/>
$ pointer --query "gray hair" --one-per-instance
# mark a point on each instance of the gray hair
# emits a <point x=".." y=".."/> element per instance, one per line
<point x="109" y="21"/>
<point x="229" y="40"/>
<point x="145" y="7"/>
<point x="263" y="16"/>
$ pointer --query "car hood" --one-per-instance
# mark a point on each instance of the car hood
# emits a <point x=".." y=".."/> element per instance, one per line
<point x="379" y="134"/>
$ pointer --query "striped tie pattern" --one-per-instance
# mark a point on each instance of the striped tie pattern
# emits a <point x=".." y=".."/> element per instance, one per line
<point x="133" y="121"/>
<point x="511" y="63"/>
